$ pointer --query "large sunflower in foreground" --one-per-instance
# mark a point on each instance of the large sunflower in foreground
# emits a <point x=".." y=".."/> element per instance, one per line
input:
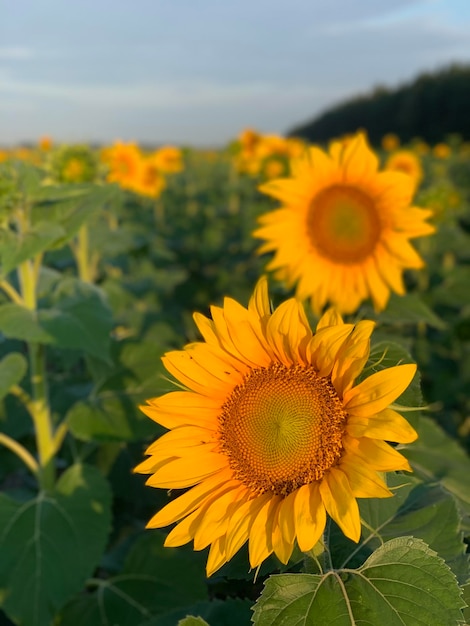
<point x="343" y="232"/>
<point x="271" y="434"/>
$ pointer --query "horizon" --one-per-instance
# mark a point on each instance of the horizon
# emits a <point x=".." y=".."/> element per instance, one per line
<point x="195" y="76"/>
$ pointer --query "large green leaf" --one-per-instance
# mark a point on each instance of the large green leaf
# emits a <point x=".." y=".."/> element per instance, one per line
<point x="428" y="512"/>
<point x="410" y="309"/>
<point x="403" y="583"/>
<point x="51" y="544"/>
<point x="14" y="249"/>
<point x="154" y="580"/>
<point x="79" y="319"/>
<point x="112" y="413"/>
<point x="12" y="369"/>
<point x="74" y="208"/>
<point x="17" y="322"/>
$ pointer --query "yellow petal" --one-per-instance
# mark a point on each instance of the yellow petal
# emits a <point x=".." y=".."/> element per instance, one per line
<point x="181" y="473"/>
<point x="260" y="543"/>
<point x="196" y="377"/>
<point x="192" y="499"/>
<point x="310" y="516"/>
<point x="331" y="317"/>
<point x="179" y="408"/>
<point x="364" y="482"/>
<point x="283" y="533"/>
<point x="387" y="425"/>
<point x="379" y="390"/>
<point x="218" y="515"/>
<point x="259" y="302"/>
<point x="240" y="524"/>
<point x="352" y="357"/>
<point x="340" y="503"/>
<point x="377" y="454"/>
<point x="216" y="557"/>
<point x="288" y="332"/>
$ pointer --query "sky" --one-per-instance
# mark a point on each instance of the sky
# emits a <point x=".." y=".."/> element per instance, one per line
<point x="196" y="72"/>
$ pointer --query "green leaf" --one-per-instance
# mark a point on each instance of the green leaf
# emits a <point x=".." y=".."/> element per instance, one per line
<point x="17" y="322"/>
<point x="410" y="309"/>
<point x="403" y="583"/>
<point x="437" y="457"/>
<point x="80" y="318"/>
<point x="192" y="621"/>
<point x="12" y="369"/>
<point x="86" y="207"/>
<point x="51" y="544"/>
<point x="428" y="512"/>
<point x="15" y="249"/>
<point x="111" y="413"/>
<point x="154" y="580"/>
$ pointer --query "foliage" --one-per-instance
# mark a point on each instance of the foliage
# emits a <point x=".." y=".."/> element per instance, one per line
<point x="96" y="284"/>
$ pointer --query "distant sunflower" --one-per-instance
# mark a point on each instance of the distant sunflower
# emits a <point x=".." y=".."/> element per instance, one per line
<point x="407" y="162"/>
<point x="271" y="434"/>
<point x="169" y="159"/>
<point x="123" y="161"/>
<point x="343" y="232"/>
<point x="149" y="181"/>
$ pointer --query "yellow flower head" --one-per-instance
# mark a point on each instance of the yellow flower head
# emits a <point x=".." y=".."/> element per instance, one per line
<point x="124" y="162"/>
<point x="73" y="164"/>
<point x="169" y="159"/>
<point x="441" y="151"/>
<point x="343" y="232"/>
<point x="271" y="433"/>
<point x="407" y="162"/>
<point x="45" y="143"/>
<point x="390" y="142"/>
<point x="149" y="180"/>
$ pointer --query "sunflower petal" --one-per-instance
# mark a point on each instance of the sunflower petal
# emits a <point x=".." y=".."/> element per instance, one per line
<point x="379" y="390"/>
<point x="340" y="503"/>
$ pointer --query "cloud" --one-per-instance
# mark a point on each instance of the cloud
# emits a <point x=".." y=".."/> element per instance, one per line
<point x="15" y="53"/>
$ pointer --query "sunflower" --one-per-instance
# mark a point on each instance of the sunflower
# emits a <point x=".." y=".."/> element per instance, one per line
<point x="169" y="159"/>
<point x="343" y="233"/>
<point x="270" y="434"/>
<point x="124" y="161"/>
<point x="407" y="162"/>
<point x="390" y="142"/>
<point x="150" y="180"/>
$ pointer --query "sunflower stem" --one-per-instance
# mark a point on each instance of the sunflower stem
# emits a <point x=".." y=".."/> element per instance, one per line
<point x="326" y="555"/>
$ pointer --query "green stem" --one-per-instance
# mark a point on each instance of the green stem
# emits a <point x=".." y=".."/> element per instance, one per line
<point x="11" y="292"/>
<point x="40" y="412"/>
<point x="20" y="452"/>
<point x="38" y="404"/>
<point x="82" y="255"/>
<point x="27" y="277"/>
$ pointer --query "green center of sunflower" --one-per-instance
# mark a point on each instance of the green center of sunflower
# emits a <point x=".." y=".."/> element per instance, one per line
<point x="282" y="428"/>
<point x="343" y="224"/>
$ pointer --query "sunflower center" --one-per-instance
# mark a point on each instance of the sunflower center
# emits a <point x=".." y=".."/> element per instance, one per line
<point x="282" y="428"/>
<point x="343" y="224"/>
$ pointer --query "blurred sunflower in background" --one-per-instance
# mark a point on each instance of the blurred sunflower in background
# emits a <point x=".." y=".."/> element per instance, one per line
<point x="343" y="232"/>
<point x="271" y="433"/>
<point x="149" y="180"/>
<point x="123" y="162"/>
<point x="407" y="162"/>
<point x="73" y="164"/>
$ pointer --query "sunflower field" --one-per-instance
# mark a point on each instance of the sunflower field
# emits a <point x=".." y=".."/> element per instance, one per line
<point x="235" y="384"/>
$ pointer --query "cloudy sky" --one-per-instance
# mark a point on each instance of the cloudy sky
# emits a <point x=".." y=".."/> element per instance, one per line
<point x="198" y="71"/>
